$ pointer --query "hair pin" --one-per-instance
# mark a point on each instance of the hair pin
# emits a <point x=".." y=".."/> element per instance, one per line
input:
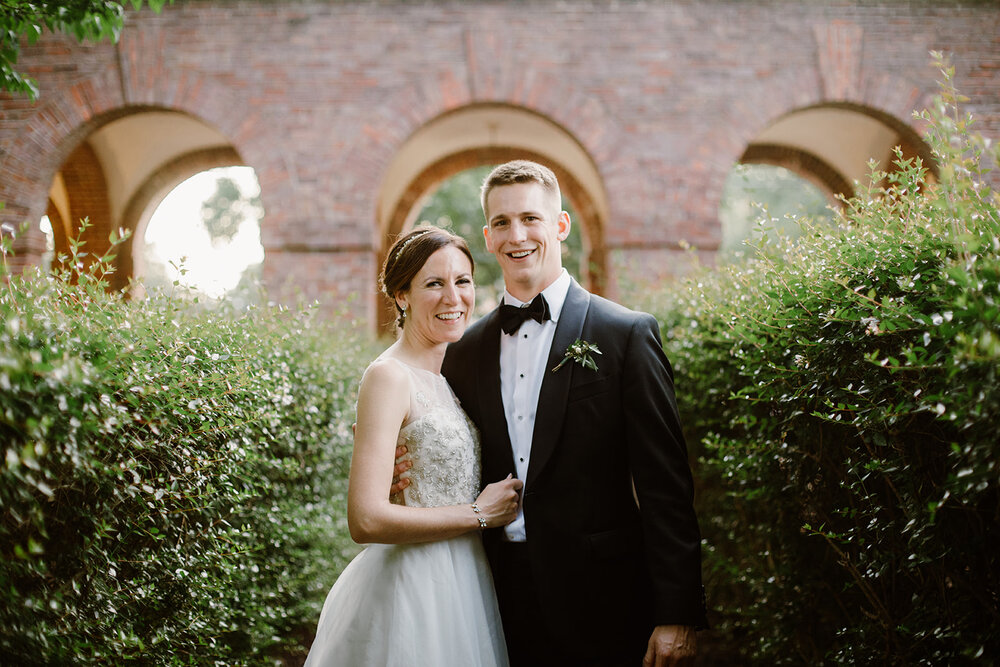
<point x="411" y="240"/>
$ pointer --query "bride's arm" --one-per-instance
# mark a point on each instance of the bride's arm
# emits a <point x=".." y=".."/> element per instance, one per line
<point x="383" y="403"/>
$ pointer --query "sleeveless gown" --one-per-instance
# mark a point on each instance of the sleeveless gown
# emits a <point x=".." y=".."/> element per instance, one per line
<point x="430" y="603"/>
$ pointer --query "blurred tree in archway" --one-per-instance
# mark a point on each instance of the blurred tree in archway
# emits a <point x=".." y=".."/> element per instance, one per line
<point x="758" y="196"/>
<point x="226" y="209"/>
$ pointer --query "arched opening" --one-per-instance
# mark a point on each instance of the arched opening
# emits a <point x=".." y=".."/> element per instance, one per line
<point x="117" y="174"/>
<point x="831" y="144"/>
<point x="817" y="151"/>
<point x="491" y="134"/>
<point x="751" y="189"/>
<point x="205" y="237"/>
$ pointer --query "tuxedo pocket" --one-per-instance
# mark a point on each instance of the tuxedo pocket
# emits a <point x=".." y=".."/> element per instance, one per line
<point x="589" y="389"/>
<point x="614" y="543"/>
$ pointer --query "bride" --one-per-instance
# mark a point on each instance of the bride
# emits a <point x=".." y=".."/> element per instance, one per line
<point x="421" y="592"/>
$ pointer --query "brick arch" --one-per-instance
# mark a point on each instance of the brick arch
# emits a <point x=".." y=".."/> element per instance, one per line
<point x="536" y="89"/>
<point x="56" y="219"/>
<point x="67" y="116"/>
<point x="810" y="162"/>
<point x="88" y="191"/>
<point x="908" y="137"/>
<point x="840" y="81"/>
<point x="444" y="168"/>
<point x="87" y="194"/>
<point x="805" y="164"/>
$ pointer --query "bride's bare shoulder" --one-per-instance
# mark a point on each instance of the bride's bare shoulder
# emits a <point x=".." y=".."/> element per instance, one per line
<point x="385" y="372"/>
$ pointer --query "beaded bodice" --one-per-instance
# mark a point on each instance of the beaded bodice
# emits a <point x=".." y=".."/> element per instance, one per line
<point x="442" y="443"/>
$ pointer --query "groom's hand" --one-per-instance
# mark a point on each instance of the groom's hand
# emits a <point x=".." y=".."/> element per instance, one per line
<point x="671" y="645"/>
<point x="400" y="483"/>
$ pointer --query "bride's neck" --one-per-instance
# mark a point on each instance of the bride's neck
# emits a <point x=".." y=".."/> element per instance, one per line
<point x="420" y="354"/>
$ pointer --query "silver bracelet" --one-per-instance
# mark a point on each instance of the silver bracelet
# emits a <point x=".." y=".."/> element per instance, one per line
<point x="482" y="521"/>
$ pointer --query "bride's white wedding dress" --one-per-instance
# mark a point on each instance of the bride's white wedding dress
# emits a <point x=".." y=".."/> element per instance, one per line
<point x="420" y="604"/>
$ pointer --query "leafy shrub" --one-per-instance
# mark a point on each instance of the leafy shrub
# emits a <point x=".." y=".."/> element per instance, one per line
<point x="173" y="489"/>
<point x="842" y="393"/>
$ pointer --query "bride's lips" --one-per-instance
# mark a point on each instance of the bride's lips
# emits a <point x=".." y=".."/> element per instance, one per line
<point x="450" y="316"/>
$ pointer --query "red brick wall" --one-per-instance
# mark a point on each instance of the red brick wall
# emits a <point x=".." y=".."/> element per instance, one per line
<point x="318" y="97"/>
<point x="87" y="192"/>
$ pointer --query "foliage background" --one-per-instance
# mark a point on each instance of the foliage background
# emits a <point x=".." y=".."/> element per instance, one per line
<point x="841" y="395"/>
<point x="173" y="490"/>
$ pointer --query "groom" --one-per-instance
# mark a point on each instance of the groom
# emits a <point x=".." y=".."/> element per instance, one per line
<point x="603" y="565"/>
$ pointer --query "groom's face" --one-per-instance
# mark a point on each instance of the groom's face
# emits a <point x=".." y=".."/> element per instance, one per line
<point x="524" y="230"/>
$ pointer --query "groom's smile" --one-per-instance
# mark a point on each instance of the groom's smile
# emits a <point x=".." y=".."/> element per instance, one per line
<point x="520" y="254"/>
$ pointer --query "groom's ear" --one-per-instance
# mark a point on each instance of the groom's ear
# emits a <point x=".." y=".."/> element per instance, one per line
<point x="563" y="225"/>
<point x="486" y="235"/>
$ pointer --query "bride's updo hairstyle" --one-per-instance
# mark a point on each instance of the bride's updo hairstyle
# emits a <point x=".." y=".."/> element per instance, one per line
<point x="409" y="254"/>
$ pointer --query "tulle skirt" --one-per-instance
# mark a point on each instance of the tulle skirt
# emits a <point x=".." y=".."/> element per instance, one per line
<point x="415" y="604"/>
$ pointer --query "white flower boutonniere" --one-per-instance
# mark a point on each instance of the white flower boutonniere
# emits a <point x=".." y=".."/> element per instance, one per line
<point x="580" y="351"/>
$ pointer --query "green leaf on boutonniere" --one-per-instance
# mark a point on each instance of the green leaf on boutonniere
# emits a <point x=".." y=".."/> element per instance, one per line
<point x="580" y="351"/>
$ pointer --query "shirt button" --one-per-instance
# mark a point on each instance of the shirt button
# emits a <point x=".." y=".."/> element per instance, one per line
<point x="522" y="459"/>
<point x="520" y="417"/>
<point x="525" y="335"/>
<point x="522" y="374"/>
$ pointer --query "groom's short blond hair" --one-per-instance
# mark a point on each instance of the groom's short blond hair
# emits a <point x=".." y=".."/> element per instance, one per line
<point x="522" y="171"/>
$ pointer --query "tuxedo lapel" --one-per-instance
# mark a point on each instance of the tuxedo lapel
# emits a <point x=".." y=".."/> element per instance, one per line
<point x="495" y="437"/>
<point x="555" y="385"/>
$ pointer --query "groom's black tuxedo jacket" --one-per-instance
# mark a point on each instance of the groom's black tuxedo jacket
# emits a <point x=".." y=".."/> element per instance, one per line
<point x="606" y="570"/>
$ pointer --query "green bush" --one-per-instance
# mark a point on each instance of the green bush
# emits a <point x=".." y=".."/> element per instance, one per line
<point x="842" y="395"/>
<point x="173" y="489"/>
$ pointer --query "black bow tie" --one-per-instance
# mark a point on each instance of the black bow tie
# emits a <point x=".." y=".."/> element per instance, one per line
<point x="512" y="317"/>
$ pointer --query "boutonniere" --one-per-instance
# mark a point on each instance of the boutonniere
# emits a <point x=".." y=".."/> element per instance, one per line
<point x="580" y="351"/>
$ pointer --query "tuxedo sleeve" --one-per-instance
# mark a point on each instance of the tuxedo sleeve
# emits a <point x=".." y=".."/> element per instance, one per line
<point x="658" y="461"/>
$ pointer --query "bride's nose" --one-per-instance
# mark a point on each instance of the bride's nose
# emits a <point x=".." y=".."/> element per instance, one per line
<point x="450" y="294"/>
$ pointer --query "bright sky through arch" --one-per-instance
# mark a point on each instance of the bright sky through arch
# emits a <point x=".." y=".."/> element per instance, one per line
<point x="176" y="230"/>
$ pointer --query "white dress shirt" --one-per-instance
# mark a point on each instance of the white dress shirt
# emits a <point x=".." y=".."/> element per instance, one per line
<point x="523" y="357"/>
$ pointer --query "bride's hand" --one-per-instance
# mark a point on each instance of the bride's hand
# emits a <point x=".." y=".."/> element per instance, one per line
<point x="499" y="501"/>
